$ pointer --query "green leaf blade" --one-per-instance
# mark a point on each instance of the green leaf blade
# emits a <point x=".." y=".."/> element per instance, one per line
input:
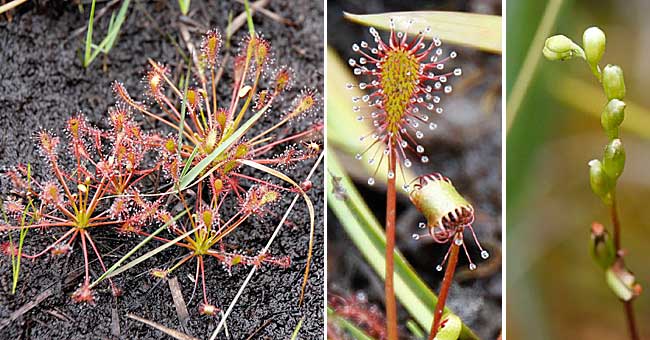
<point x="480" y="31"/>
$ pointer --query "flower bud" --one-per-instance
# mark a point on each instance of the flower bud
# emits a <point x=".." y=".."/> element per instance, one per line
<point x="612" y="117"/>
<point x="622" y="282"/>
<point x="614" y="159"/>
<point x="613" y="82"/>
<point x="601" y="247"/>
<point x="601" y="184"/>
<point x="593" y="42"/>
<point x="559" y="47"/>
<point x="440" y="203"/>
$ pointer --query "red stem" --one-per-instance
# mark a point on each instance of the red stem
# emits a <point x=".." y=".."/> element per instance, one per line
<point x="391" y="304"/>
<point x="444" y="289"/>
<point x="629" y="311"/>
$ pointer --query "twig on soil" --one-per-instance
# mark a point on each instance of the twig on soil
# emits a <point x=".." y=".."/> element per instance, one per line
<point x="239" y="21"/>
<point x="260" y="328"/>
<point x="169" y="331"/>
<point x="115" y="323"/>
<point x="11" y="5"/>
<point x="179" y="302"/>
<point x="26" y="307"/>
<point x="273" y="16"/>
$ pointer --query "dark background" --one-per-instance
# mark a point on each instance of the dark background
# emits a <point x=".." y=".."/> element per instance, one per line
<point x="42" y="83"/>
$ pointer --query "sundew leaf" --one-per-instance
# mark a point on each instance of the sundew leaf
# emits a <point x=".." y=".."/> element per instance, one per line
<point x="362" y="227"/>
<point x="480" y="31"/>
<point x="343" y="130"/>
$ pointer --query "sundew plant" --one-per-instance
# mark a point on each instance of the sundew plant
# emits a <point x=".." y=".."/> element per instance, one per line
<point x="604" y="173"/>
<point x="404" y="78"/>
<point x="198" y="190"/>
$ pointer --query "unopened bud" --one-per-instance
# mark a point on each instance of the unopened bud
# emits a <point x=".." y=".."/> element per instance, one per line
<point x="614" y="159"/>
<point x="612" y="117"/>
<point x="559" y="47"/>
<point x="613" y="82"/>
<point x="601" y="184"/>
<point x="593" y="42"/>
<point x="622" y="282"/>
<point x="601" y="246"/>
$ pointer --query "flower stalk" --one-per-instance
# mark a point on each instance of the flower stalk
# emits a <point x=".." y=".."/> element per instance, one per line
<point x="604" y="174"/>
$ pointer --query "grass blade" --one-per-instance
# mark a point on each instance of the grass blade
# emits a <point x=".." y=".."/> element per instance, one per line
<point x="480" y="31"/>
<point x="310" y="207"/>
<point x="294" y="335"/>
<point x="184" y="5"/>
<point x="351" y="328"/>
<point x="114" y="30"/>
<point x="362" y="227"/>
<point x="89" y="35"/>
<point x="223" y="146"/>
<point x="222" y="322"/>
<point x="249" y="19"/>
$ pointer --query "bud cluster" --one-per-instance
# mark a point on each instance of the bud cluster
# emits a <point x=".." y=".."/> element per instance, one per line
<point x="603" y="173"/>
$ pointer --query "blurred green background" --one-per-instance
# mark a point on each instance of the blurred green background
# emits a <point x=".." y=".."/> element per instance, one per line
<point x="554" y="290"/>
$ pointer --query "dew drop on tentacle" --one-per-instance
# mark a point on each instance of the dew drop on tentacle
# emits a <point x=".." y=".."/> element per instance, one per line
<point x="358" y="156"/>
<point x="424" y="159"/>
<point x="415" y="236"/>
<point x="391" y="174"/>
<point x="419" y="149"/>
<point x="433" y="126"/>
<point x="458" y="241"/>
<point x="439" y="268"/>
<point x="405" y="187"/>
<point x="472" y="266"/>
<point x="407" y="163"/>
<point x="371" y="181"/>
<point x="485" y="254"/>
<point x="458" y="72"/>
<point x="422" y="225"/>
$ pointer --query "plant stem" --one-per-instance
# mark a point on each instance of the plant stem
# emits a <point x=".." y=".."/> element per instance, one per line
<point x="629" y="311"/>
<point x="391" y="304"/>
<point x="631" y="322"/>
<point x="444" y="289"/>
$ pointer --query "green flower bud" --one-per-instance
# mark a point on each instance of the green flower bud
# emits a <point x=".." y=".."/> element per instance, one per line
<point x="559" y="47"/>
<point x="614" y="159"/>
<point x="612" y="117"/>
<point x="437" y="199"/>
<point x="622" y="282"/>
<point x="613" y="82"/>
<point x="601" y="247"/>
<point x="593" y="42"/>
<point x="601" y="184"/>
